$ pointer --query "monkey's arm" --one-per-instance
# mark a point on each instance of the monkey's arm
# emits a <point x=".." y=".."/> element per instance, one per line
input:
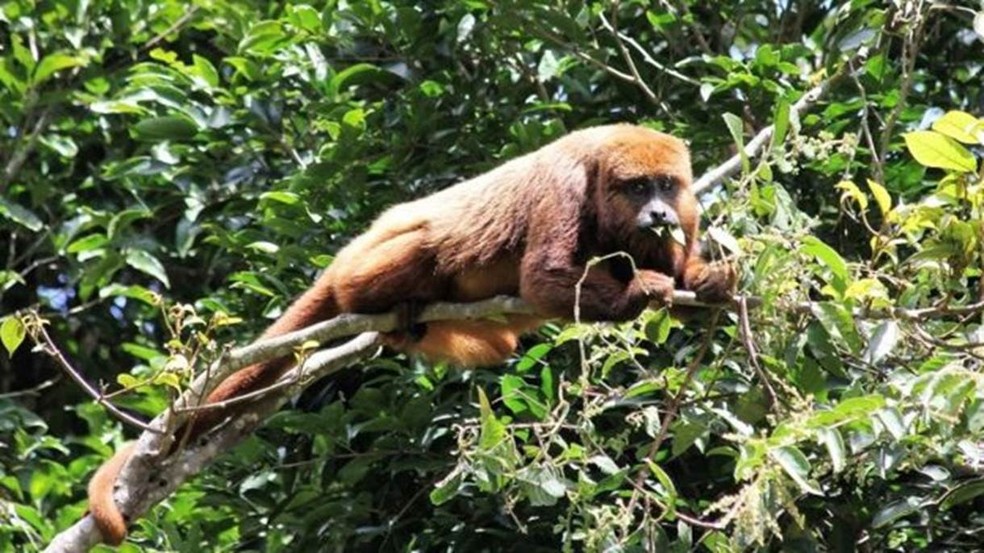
<point x="555" y="288"/>
<point x="554" y="281"/>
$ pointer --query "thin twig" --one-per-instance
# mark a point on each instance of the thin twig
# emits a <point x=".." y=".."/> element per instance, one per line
<point x="43" y="340"/>
<point x="24" y="149"/>
<point x="910" y="51"/>
<point x="646" y="56"/>
<point x="671" y="413"/>
<point x="749" y="342"/>
<point x="627" y="56"/>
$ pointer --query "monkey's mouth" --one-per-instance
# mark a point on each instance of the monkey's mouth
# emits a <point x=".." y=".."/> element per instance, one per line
<point x="665" y="231"/>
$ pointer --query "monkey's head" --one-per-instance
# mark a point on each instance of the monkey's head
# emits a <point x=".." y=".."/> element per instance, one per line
<point x="642" y="187"/>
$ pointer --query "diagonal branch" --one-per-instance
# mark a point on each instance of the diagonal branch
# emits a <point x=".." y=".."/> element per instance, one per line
<point x="153" y="473"/>
<point x="759" y="141"/>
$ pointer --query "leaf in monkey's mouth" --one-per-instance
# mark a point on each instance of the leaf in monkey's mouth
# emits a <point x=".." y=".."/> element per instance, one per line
<point x="671" y="231"/>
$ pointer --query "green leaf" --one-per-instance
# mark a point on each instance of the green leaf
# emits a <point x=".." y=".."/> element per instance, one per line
<point x="305" y="17"/>
<point x="20" y="215"/>
<point x="831" y="439"/>
<point x="961" y="126"/>
<point x="122" y="220"/>
<point x="283" y="197"/>
<point x="736" y="128"/>
<point x="895" y="511"/>
<point x="87" y="243"/>
<point x="862" y="406"/>
<point x="168" y="127"/>
<point x="963" y="493"/>
<point x="12" y="333"/>
<point x="493" y="431"/>
<point x="205" y="70"/>
<point x="513" y="394"/>
<point x="882" y="197"/>
<point x="829" y="258"/>
<point x="146" y="263"/>
<point x="848" y="410"/>
<point x="133" y="291"/>
<point x="780" y="125"/>
<point x="352" y="76"/>
<point x="447" y="488"/>
<point x="53" y="63"/>
<point x="933" y="149"/>
<point x="883" y="341"/>
<point x="264" y="37"/>
<point x="664" y="480"/>
<point x="794" y="462"/>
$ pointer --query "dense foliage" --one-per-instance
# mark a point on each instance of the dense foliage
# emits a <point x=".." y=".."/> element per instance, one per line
<point x="172" y="173"/>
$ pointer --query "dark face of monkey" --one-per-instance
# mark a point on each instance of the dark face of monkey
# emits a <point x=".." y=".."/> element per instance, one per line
<point x="654" y="200"/>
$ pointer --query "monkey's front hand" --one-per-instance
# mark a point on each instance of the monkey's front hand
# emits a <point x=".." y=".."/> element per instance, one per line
<point x="656" y="286"/>
<point x="714" y="282"/>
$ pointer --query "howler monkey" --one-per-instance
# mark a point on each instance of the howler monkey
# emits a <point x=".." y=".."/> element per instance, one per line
<point x="528" y="228"/>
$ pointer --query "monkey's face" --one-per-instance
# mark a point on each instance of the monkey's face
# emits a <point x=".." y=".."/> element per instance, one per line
<point x="646" y="185"/>
<point x="653" y="199"/>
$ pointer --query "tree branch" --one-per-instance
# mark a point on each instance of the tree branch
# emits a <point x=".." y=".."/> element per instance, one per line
<point x="153" y="473"/>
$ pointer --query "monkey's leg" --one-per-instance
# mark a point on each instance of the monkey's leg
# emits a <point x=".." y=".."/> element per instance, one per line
<point x="375" y="276"/>
<point x="473" y="343"/>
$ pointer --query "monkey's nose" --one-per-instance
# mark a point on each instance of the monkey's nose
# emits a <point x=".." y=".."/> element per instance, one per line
<point x="663" y="218"/>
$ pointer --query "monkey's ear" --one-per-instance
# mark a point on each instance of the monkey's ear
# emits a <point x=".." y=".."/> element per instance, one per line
<point x="594" y="174"/>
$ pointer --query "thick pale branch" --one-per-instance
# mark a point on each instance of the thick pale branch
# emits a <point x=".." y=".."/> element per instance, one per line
<point x="760" y="140"/>
<point x="151" y="475"/>
<point x="148" y="480"/>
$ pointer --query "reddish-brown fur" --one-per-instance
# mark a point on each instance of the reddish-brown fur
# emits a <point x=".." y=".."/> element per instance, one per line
<point x="527" y="228"/>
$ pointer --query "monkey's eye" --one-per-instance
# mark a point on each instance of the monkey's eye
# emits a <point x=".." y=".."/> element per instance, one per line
<point x="638" y="187"/>
<point x="664" y="183"/>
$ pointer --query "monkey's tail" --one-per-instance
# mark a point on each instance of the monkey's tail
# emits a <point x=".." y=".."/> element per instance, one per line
<point x="317" y="304"/>
<point x="108" y="518"/>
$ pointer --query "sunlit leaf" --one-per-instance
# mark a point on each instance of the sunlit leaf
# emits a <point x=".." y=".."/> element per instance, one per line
<point x="849" y="190"/>
<point x="794" y="462"/>
<point x="882" y="197"/>
<point x="960" y="126"/>
<point x="52" y="63"/>
<point x="883" y="341"/>
<point x="12" y="333"/>
<point x="146" y="263"/>
<point x="513" y="393"/>
<point x="834" y="442"/>
<point x="933" y="149"/>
